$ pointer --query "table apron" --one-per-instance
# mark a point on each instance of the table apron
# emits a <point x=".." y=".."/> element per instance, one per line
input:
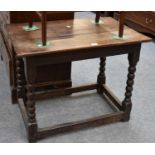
<point x="82" y="54"/>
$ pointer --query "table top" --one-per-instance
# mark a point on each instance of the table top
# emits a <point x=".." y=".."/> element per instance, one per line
<point x="70" y="35"/>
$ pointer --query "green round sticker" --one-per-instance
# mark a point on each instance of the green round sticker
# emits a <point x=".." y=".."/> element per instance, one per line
<point x="33" y="28"/>
<point x="40" y="45"/>
<point x="94" y="22"/>
<point x="125" y="37"/>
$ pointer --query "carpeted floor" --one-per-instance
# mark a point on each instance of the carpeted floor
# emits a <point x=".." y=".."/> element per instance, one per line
<point x="141" y="127"/>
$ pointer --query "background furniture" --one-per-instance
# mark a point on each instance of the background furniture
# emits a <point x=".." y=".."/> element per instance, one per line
<point x="141" y="21"/>
<point x="61" y="78"/>
<point x="43" y="17"/>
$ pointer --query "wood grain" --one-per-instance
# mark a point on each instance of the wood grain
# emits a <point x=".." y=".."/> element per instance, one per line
<point x="82" y="34"/>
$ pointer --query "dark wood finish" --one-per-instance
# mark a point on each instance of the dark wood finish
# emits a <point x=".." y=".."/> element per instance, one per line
<point x="121" y="23"/>
<point x="72" y="126"/>
<point x="111" y="96"/>
<point x="43" y="15"/>
<point x="67" y="40"/>
<point x="43" y="20"/>
<point x="127" y="103"/>
<point x="84" y="40"/>
<point x="64" y="91"/>
<point x="30" y="104"/>
<point x="23" y="111"/>
<point x="101" y="79"/>
<point x="25" y="16"/>
<point x="62" y="76"/>
<point x="98" y="15"/>
<point x="141" y="21"/>
<point x="20" y="76"/>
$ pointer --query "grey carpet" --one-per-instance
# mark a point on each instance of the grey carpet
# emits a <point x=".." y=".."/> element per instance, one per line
<point x="141" y="127"/>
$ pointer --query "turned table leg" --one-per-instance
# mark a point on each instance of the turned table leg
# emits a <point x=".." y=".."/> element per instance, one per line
<point x="101" y="77"/>
<point x="26" y="93"/>
<point x="32" y="123"/>
<point x="20" y="78"/>
<point x="127" y="102"/>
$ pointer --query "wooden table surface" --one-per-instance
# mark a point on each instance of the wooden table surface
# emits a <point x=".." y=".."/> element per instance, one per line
<point x="70" y="35"/>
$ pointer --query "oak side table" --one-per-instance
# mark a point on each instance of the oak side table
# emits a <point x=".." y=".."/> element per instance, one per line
<point x="72" y="40"/>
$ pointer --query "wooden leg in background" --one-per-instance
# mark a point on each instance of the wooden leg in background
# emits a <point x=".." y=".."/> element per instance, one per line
<point x="121" y="24"/>
<point x="30" y="24"/>
<point x="101" y="77"/>
<point x="27" y="95"/>
<point x="32" y="123"/>
<point x="127" y="103"/>
<point x="44" y="33"/>
<point x="97" y="18"/>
